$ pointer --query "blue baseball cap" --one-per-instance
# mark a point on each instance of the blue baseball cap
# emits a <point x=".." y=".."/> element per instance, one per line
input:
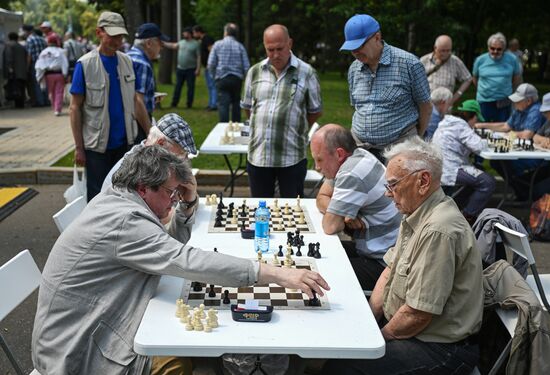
<point x="150" y="30"/>
<point x="357" y="30"/>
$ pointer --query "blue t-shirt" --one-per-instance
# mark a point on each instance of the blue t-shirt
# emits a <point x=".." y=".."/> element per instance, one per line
<point x="530" y="119"/>
<point x="117" y="131"/>
<point x="494" y="77"/>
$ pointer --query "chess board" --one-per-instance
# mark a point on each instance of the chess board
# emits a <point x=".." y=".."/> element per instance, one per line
<point x="281" y="223"/>
<point x="268" y="295"/>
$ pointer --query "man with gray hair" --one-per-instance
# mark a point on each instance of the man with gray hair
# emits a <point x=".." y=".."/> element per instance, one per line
<point x="147" y="45"/>
<point x="441" y="99"/>
<point x="429" y="300"/>
<point x="352" y="199"/>
<point x="106" y="266"/>
<point x="228" y="63"/>
<point x="496" y="74"/>
<point x="444" y="69"/>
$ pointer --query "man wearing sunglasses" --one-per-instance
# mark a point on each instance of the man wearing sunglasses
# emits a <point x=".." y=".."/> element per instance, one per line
<point x="429" y="299"/>
<point x="496" y="75"/>
<point x="388" y="88"/>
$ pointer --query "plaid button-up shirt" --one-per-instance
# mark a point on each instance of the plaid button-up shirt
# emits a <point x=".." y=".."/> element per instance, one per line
<point x="228" y="57"/>
<point x="447" y="74"/>
<point x="279" y="108"/>
<point x="386" y="101"/>
<point x="144" y="71"/>
<point x="35" y="45"/>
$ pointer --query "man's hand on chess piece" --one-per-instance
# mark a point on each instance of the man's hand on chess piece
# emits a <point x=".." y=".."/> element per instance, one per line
<point x="305" y="280"/>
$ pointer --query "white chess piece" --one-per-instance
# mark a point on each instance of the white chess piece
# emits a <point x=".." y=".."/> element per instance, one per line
<point x="275" y="260"/>
<point x="234" y="218"/>
<point x="301" y="219"/>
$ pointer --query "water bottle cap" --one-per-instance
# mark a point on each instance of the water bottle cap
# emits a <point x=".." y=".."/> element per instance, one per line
<point x="262" y="204"/>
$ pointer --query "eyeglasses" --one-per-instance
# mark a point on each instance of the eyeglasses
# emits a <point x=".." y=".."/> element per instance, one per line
<point x="495" y="49"/>
<point x="391" y="186"/>
<point x="174" y="193"/>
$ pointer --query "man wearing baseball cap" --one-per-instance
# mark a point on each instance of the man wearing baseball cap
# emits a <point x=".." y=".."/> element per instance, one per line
<point x="105" y="104"/>
<point x="147" y="45"/>
<point x="525" y="121"/>
<point x="542" y="139"/>
<point x="171" y="132"/>
<point x="388" y="88"/>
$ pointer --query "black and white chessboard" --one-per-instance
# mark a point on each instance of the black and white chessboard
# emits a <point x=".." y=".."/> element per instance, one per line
<point x="267" y="295"/>
<point x="279" y="223"/>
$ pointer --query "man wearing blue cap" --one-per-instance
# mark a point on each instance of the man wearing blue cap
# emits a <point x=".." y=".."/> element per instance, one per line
<point x="146" y="48"/>
<point x="388" y="88"/>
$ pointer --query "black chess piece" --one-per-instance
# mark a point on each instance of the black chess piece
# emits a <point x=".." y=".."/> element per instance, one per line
<point x="298" y="252"/>
<point x="226" y="299"/>
<point x="231" y="206"/>
<point x="310" y="249"/>
<point x="229" y="213"/>
<point x="291" y="251"/>
<point x="243" y="211"/>
<point x="302" y="240"/>
<point x="197" y="287"/>
<point x="317" y="254"/>
<point x="218" y="222"/>
<point x="211" y="292"/>
<point x="215" y="249"/>
<point x="289" y="238"/>
<point x="280" y="253"/>
<point x="314" y="301"/>
<point x="219" y="212"/>
<point x="221" y="205"/>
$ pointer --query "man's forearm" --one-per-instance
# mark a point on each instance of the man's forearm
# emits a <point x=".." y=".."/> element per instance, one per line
<point x="142" y="116"/>
<point x="312" y="117"/>
<point x="376" y="300"/>
<point x="461" y="90"/>
<point x="494" y="126"/>
<point x="322" y="203"/>
<point x="75" y="115"/>
<point x="406" y="323"/>
<point x="424" y="113"/>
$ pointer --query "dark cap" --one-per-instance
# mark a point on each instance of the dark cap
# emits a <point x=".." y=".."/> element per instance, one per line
<point x="150" y="30"/>
<point x="175" y="128"/>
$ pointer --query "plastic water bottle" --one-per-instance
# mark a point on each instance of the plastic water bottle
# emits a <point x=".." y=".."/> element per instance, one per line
<point x="261" y="228"/>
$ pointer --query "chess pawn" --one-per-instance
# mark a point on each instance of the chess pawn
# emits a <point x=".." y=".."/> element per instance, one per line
<point x="213" y="199"/>
<point x="275" y="260"/>
<point x="286" y="209"/>
<point x="234" y="218"/>
<point x="207" y="201"/>
<point x="179" y="309"/>
<point x="197" y="325"/>
<point x="301" y="219"/>
<point x="189" y="326"/>
<point x="298" y="207"/>
<point x="207" y="328"/>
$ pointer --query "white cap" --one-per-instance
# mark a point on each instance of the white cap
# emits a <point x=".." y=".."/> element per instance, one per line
<point x="46" y="24"/>
<point x="524" y="91"/>
<point x="545" y="107"/>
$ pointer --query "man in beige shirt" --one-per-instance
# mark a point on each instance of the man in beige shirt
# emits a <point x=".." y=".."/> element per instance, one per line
<point x="429" y="300"/>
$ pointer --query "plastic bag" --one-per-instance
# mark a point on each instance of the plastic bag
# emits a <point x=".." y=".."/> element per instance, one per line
<point x="67" y="94"/>
<point x="244" y="364"/>
<point x="77" y="189"/>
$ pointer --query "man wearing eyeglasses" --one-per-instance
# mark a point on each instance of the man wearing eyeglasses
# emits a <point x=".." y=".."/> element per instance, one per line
<point x="106" y="266"/>
<point x="388" y="88"/>
<point x="352" y="199"/>
<point x="496" y="75"/>
<point x="429" y="300"/>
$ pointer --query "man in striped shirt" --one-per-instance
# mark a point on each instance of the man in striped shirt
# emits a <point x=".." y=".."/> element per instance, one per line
<point x="282" y="98"/>
<point x="352" y="199"/>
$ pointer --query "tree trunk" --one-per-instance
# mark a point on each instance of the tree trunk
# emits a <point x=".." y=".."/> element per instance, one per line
<point x="134" y="17"/>
<point x="248" y="31"/>
<point x="166" y="26"/>
<point x="411" y="37"/>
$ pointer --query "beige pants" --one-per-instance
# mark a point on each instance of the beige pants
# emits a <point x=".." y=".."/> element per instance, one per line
<point x="171" y="366"/>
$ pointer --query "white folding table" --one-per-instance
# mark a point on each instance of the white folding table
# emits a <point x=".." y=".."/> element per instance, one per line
<point x="212" y="145"/>
<point x="347" y="330"/>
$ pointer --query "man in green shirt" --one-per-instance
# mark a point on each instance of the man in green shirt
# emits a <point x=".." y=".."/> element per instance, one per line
<point x="189" y="66"/>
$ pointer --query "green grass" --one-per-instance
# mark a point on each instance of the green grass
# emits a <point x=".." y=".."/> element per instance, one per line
<point x="336" y="109"/>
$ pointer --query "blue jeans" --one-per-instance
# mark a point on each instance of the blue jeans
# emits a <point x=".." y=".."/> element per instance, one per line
<point x="412" y="356"/>
<point x="481" y="188"/>
<point x="187" y="75"/>
<point x="40" y="96"/>
<point x="229" y="95"/>
<point x="211" y="86"/>
<point x="291" y="180"/>
<point x="98" y="166"/>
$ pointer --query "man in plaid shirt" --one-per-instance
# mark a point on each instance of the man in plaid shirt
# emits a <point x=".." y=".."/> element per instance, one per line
<point x="282" y="97"/>
<point x="388" y="88"/>
<point x="228" y="63"/>
<point x="34" y="44"/>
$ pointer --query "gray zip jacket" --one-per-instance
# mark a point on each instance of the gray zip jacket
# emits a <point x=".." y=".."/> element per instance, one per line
<point x="99" y="277"/>
<point x="505" y="287"/>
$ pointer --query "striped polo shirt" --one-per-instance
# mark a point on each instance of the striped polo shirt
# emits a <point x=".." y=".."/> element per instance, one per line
<point x="359" y="192"/>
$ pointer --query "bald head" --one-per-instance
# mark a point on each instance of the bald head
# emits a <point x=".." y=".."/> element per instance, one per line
<point x="330" y="146"/>
<point x="277" y="44"/>
<point x="443" y="47"/>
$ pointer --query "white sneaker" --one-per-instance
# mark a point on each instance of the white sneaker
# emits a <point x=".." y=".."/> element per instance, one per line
<point x="57" y="113"/>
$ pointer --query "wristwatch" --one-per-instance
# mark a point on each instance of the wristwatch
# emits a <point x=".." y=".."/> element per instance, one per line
<point x="187" y="205"/>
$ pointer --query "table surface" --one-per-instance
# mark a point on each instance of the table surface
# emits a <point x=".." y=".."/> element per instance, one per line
<point x="347" y="330"/>
<point x="212" y="144"/>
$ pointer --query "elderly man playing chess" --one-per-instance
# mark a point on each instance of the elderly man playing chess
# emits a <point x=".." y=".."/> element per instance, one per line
<point x="429" y="300"/>
<point x="352" y="199"/>
<point x="106" y="266"/>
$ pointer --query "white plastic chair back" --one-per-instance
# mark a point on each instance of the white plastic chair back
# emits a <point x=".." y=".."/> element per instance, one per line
<point x="67" y="214"/>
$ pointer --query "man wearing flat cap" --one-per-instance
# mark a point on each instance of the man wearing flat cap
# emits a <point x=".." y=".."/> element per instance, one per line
<point x="147" y="45"/>
<point x="105" y="104"/>
<point x="388" y="88"/>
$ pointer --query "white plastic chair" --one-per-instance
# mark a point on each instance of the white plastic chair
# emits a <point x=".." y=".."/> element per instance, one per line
<point x="67" y="214"/>
<point x="312" y="175"/>
<point x="22" y="276"/>
<point x="519" y="244"/>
